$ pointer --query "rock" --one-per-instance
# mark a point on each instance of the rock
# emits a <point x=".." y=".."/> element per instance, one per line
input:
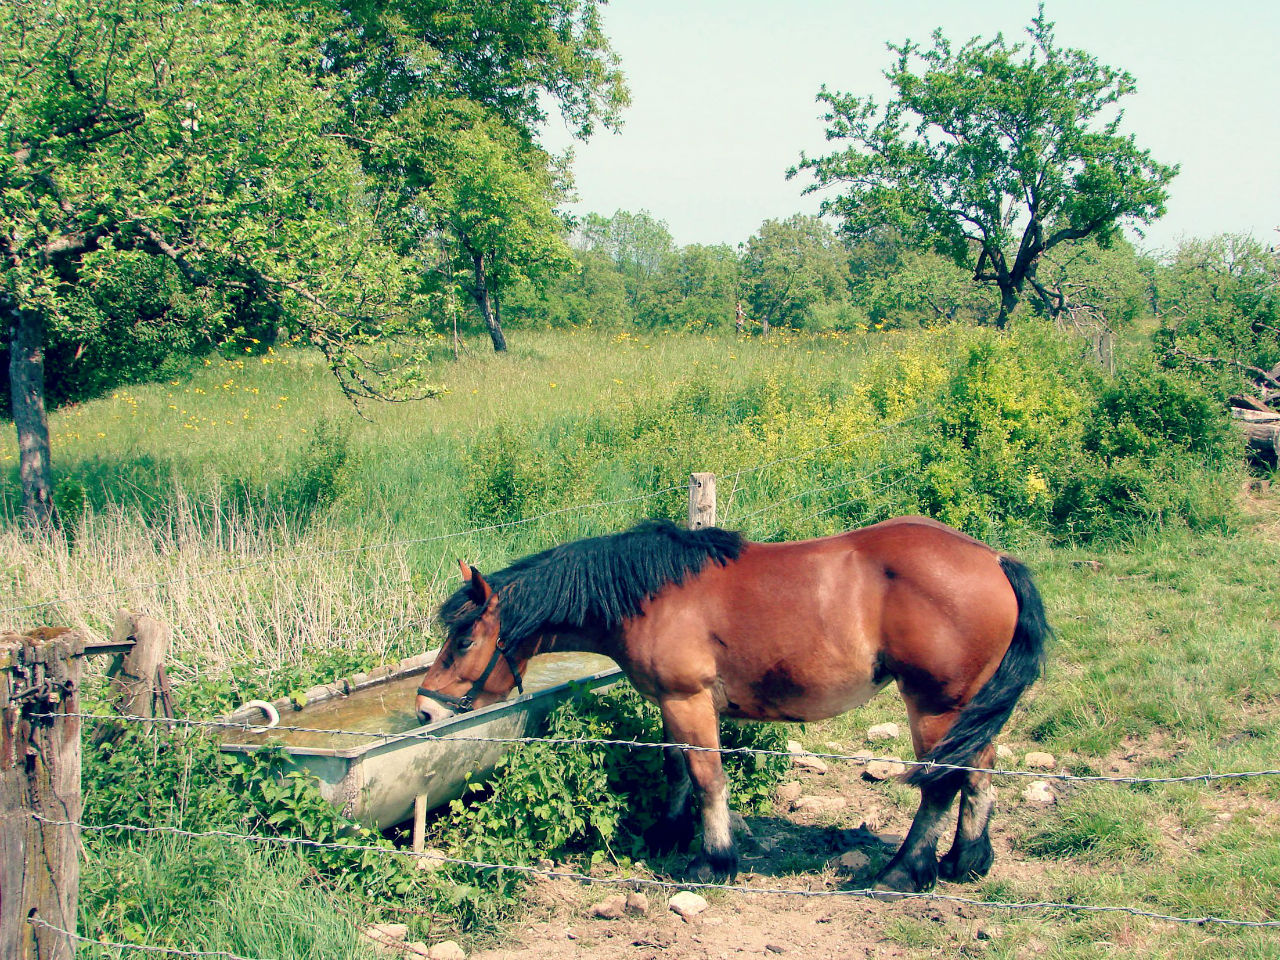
<point x="819" y="804"/>
<point x="610" y="909"/>
<point x="386" y="933"/>
<point x="805" y="762"/>
<point x="636" y="903"/>
<point x="1038" y="791"/>
<point x="1038" y="760"/>
<point x="885" y="769"/>
<point x="1094" y="565"/>
<point x="446" y="950"/>
<point x="774" y="948"/>
<point x="431" y="862"/>
<point x="687" y="904"/>
<point x="1005" y="753"/>
<point x="415" y="949"/>
<point x="883" y="731"/>
<point x="835" y="746"/>
<point x="853" y="861"/>
<point x="790" y="790"/>
<point x="712" y="921"/>
<point x="793" y="746"/>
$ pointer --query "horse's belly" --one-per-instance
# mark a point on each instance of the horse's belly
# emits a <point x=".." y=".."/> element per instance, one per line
<point x="778" y="698"/>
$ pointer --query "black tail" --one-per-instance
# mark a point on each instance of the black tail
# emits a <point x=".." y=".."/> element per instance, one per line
<point x="983" y="716"/>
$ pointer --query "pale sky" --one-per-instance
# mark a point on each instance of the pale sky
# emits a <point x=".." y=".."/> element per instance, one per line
<point x="723" y="101"/>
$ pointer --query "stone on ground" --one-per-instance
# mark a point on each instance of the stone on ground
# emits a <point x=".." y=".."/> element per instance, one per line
<point x="611" y="908"/>
<point x="853" y="861"/>
<point x="1004" y="753"/>
<point x="885" y="769"/>
<point x="883" y="731"/>
<point x="387" y="933"/>
<point x="793" y="746"/>
<point x="818" y="804"/>
<point x="446" y="950"/>
<point x="1038" y="760"/>
<point x="804" y="762"/>
<point x="687" y="904"/>
<point x="1038" y="791"/>
<point x="790" y="790"/>
<point x="637" y="903"/>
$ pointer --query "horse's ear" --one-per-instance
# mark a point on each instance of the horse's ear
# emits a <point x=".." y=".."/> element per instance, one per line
<point x="466" y="570"/>
<point x="480" y="589"/>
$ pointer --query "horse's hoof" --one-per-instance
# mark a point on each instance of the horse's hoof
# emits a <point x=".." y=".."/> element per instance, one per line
<point x="713" y="868"/>
<point x="668" y="835"/>
<point x="906" y="877"/>
<point x="969" y="863"/>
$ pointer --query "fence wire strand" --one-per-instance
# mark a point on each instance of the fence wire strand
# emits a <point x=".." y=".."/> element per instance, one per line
<point x="165" y="951"/>
<point x="636" y="881"/>
<point x="422" y="734"/>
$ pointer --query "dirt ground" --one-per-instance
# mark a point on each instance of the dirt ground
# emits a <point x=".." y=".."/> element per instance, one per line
<point x="788" y="849"/>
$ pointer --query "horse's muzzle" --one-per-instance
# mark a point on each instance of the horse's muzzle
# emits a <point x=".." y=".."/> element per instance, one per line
<point x="432" y="711"/>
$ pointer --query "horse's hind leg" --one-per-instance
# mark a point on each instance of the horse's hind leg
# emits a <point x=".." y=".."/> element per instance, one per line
<point x="970" y="856"/>
<point x="915" y="866"/>
<point x="675" y="829"/>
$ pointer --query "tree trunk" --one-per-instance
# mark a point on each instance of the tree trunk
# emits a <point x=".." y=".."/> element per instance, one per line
<point x="482" y="301"/>
<point x="1008" y="300"/>
<point x="26" y="384"/>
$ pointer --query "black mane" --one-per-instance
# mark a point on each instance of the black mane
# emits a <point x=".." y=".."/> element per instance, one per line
<point x="595" y="583"/>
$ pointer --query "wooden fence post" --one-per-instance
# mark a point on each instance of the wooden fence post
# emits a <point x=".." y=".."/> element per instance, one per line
<point x="137" y="676"/>
<point x="702" y="501"/>
<point x="39" y="776"/>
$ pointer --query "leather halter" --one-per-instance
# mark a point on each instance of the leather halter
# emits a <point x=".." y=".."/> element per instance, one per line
<point x="465" y="703"/>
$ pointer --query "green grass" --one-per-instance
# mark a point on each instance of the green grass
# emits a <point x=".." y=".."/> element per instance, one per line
<point x="1167" y="659"/>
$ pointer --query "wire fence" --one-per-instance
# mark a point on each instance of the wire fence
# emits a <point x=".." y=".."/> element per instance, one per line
<point x="595" y="742"/>
<point x="634" y="881"/>
<point x="281" y="559"/>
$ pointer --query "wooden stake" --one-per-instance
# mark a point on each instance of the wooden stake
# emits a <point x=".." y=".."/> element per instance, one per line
<point x="138" y="681"/>
<point x="702" y="501"/>
<point x="39" y="776"/>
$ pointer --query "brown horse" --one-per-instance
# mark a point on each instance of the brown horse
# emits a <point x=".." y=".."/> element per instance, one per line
<point x="707" y="624"/>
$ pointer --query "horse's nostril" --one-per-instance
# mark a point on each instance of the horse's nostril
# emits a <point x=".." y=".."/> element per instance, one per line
<point x="424" y="718"/>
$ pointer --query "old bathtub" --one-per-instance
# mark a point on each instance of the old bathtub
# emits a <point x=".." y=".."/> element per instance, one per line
<point x="377" y="779"/>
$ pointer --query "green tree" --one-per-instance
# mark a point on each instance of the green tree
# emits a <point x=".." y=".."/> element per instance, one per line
<point x="287" y="189"/>
<point x="790" y="267"/>
<point x="992" y="153"/>
<point x="497" y="197"/>
<point x="1219" y="305"/>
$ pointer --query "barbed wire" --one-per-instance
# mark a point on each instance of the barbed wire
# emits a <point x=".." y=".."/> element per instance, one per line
<point x="832" y="486"/>
<point x="638" y="881"/>
<point x="167" y="951"/>
<point x="411" y="541"/>
<point x="422" y="734"/>
<point x="343" y="551"/>
<point x="883" y="428"/>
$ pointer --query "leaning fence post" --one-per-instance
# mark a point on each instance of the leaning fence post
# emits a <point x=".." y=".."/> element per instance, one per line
<point x="138" y="680"/>
<point x="39" y="780"/>
<point x="702" y="500"/>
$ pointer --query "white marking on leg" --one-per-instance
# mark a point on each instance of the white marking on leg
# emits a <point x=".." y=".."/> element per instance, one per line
<point x="717" y="833"/>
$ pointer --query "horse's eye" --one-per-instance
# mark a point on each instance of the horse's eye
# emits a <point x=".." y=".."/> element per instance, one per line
<point x="464" y="644"/>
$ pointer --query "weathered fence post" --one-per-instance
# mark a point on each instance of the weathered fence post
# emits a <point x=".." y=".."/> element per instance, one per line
<point x="702" y="500"/>
<point x="137" y="675"/>
<point x="39" y="777"/>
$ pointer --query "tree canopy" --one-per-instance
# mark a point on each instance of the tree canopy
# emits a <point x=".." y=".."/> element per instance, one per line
<point x="301" y="163"/>
<point x="992" y="153"/>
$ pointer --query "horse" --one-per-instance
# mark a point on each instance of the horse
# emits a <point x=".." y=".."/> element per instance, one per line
<point x="708" y="624"/>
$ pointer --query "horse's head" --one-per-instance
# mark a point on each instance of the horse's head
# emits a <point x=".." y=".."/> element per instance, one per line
<point x="474" y="667"/>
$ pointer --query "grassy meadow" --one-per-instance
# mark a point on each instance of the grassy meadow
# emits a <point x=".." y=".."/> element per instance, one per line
<point x="286" y="539"/>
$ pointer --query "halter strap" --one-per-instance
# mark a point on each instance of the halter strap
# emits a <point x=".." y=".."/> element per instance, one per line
<point x="467" y="701"/>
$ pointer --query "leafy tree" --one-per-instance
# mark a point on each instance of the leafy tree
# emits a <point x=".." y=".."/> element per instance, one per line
<point x="898" y="285"/>
<point x="283" y="190"/>
<point x="993" y="153"/>
<point x="496" y="200"/>
<point x="1219" y="303"/>
<point x="696" y="288"/>
<point x="791" y="266"/>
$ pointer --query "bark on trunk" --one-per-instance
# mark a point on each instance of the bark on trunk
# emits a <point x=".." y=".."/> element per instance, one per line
<point x="26" y="384"/>
<point x="1008" y="300"/>
<point x="486" y="310"/>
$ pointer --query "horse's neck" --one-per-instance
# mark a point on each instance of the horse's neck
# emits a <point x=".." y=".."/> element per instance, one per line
<point x="575" y="641"/>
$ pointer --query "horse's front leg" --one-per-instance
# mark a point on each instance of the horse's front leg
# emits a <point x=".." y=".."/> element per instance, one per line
<point x="675" y="830"/>
<point x="694" y="720"/>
